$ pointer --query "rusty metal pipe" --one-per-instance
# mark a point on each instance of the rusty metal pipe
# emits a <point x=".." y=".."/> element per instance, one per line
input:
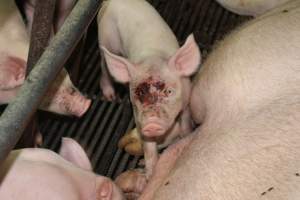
<point x="41" y="31"/>
<point x="17" y="114"/>
<point x="42" y="28"/>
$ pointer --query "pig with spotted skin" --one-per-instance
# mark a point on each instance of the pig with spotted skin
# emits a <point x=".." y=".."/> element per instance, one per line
<point x="62" y="97"/>
<point x="246" y="97"/>
<point x="148" y="57"/>
<point x="42" y="174"/>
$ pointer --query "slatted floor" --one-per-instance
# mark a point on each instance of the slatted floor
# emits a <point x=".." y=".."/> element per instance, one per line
<point x="99" y="130"/>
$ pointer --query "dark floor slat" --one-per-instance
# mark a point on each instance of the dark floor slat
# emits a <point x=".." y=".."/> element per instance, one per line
<point x="117" y="133"/>
<point x="107" y="135"/>
<point x="99" y="131"/>
<point x="91" y="129"/>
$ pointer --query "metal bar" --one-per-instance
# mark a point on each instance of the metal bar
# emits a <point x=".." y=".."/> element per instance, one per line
<point x="41" y="30"/>
<point x="17" y="114"/>
<point x="39" y="39"/>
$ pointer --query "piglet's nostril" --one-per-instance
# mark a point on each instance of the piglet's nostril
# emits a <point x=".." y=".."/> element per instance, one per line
<point x="151" y="114"/>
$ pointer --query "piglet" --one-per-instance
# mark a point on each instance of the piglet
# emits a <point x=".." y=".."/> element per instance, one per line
<point x="62" y="97"/>
<point x="140" y="49"/>
<point x="41" y="174"/>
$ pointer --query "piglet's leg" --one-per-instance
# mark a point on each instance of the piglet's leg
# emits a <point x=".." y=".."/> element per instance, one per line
<point x="151" y="157"/>
<point x="164" y="166"/>
<point x="132" y="183"/>
<point x="106" y="84"/>
<point x="38" y="139"/>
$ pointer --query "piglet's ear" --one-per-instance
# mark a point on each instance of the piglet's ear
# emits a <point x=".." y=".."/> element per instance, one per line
<point x="187" y="59"/>
<point x="117" y="66"/>
<point x="73" y="152"/>
<point x="105" y="190"/>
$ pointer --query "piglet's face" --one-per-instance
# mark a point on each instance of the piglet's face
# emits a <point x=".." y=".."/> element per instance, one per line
<point x="157" y="101"/>
<point x="64" y="98"/>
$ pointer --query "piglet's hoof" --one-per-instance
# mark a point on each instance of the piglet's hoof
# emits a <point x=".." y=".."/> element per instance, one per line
<point x="38" y="140"/>
<point x="108" y="92"/>
<point x="132" y="183"/>
<point x="132" y="143"/>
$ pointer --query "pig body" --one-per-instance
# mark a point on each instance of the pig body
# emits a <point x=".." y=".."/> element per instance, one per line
<point x="41" y="174"/>
<point x="250" y="7"/>
<point x="246" y="98"/>
<point x="150" y="60"/>
<point x="62" y="97"/>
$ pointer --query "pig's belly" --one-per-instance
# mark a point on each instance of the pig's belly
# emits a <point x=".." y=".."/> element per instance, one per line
<point x="249" y="143"/>
<point x="254" y="158"/>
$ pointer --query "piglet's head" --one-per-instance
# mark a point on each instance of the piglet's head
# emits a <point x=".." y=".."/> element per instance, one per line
<point x="158" y="88"/>
<point x="104" y="188"/>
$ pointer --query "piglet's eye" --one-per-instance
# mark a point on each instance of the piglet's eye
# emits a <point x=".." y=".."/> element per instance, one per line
<point x="170" y="91"/>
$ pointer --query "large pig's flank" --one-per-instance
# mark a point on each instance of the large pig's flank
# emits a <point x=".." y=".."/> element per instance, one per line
<point x="250" y="7"/>
<point x="41" y="174"/>
<point x="150" y="60"/>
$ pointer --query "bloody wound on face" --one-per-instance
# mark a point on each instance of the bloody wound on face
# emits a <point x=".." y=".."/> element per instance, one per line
<point x="151" y="91"/>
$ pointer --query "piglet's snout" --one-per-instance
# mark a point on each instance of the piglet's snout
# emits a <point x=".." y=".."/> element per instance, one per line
<point x="153" y="130"/>
<point x="75" y="103"/>
<point x="153" y="122"/>
<point x="80" y="105"/>
<point x="153" y="127"/>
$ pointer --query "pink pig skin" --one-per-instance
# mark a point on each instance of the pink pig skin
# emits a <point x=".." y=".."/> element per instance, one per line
<point x="62" y="98"/>
<point x="157" y="70"/>
<point x="41" y="174"/>
<point x="250" y="7"/>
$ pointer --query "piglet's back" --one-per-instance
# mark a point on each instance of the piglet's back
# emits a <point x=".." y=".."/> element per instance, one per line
<point x="138" y="27"/>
